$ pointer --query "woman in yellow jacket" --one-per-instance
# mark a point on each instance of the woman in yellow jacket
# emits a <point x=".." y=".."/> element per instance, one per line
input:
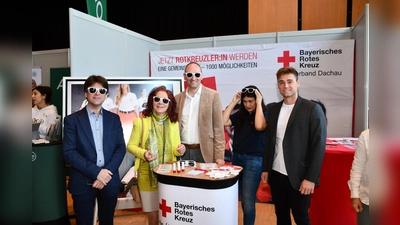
<point x="154" y="144"/>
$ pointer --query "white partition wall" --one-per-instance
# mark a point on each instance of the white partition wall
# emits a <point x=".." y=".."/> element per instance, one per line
<point x="100" y="47"/>
<point x="361" y="34"/>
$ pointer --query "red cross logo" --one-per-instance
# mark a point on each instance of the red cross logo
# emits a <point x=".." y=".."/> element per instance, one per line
<point x="164" y="208"/>
<point x="286" y="59"/>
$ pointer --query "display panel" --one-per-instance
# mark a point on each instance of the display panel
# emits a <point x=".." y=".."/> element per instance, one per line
<point x="139" y="88"/>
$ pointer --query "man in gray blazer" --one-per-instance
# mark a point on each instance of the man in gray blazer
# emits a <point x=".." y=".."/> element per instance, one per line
<point x="200" y="117"/>
<point x="294" y="150"/>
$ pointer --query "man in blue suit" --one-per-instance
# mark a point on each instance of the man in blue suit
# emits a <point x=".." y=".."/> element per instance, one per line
<point x="294" y="150"/>
<point x="94" y="146"/>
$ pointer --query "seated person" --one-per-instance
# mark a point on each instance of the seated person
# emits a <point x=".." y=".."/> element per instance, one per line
<point x="43" y="112"/>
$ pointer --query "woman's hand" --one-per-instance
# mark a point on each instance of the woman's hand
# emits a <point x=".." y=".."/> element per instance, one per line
<point x="259" y="97"/>
<point x="236" y="98"/>
<point x="181" y="149"/>
<point x="149" y="156"/>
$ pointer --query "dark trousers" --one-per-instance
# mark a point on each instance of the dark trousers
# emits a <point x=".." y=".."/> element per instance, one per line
<point x="286" y="198"/>
<point x="106" y="201"/>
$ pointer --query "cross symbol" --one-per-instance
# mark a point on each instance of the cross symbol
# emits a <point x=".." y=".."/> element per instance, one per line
<point x="286" y="59"/>
<point x="164" y="208"/>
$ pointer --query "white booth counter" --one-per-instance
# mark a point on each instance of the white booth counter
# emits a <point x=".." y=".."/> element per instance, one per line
<point x="196" y="196"/>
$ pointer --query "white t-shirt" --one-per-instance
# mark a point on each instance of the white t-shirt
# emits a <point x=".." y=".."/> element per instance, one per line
<point x="279" y="160"/>
<point x="46" y="117"/>
<point x="128" y="102"/>
<point x="108" y="104"/>
<point x="142" y="104"/>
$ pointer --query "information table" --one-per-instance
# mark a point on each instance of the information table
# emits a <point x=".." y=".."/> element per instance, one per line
<point x="197" y="199"/>
<point x="331" y="202"/>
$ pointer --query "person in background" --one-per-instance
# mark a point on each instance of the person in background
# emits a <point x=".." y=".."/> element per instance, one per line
<point x="200" y="116"/>
<point x="142" y="101"/>
<point x="33" y="86"/>
<point x="294" y="150"/>
<point x="359" y="179"/>
<point x="248" y="144"/>
<point x="33" y="83"/>
<point x="160" y="143"/>
<point x="323" y="108"/>
<point x="126" y="102"/>
<point x="229" y="131"/>
<point x="94" y="146"/>
<point x="43" y="112"/>
<point x="126" y="106"/>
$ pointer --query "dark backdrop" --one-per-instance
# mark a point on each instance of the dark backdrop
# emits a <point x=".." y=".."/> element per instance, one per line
<point x="160" y="20"/>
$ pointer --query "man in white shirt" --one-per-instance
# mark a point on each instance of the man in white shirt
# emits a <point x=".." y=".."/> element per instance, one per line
<point x="200" y="117"/>
<point x="359" y="179"/>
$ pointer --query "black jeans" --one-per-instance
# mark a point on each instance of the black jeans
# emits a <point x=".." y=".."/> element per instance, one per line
<point x="286" y="198"/>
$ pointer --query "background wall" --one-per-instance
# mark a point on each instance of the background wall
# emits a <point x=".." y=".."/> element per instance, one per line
<point x="291" y="15"/>
<point x="50" y="59"/>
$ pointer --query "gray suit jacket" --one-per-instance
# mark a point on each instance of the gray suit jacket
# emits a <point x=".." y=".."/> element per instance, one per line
<point x="304" y="142"/>
<point x="211" y="126"/>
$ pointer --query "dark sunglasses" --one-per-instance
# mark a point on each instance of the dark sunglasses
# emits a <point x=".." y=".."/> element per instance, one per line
<point x="92" y="90"/>
<point x="191" y="74"/>
<point x="164" y="100"/>
<point x="250" y="90"/>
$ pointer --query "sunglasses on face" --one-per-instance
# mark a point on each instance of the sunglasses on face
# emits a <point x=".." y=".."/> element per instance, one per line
<point x="250" y="90"/>
<point x="102" y="91"/>
<point x="164" y="100"/>
<point x="189" y="75"/>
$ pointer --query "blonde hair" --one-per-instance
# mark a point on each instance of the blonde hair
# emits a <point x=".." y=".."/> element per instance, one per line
<point x="118" y="97"/>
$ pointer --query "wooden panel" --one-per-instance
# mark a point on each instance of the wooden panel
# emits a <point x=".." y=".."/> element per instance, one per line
<point x="323" y="14"/>
<point x="358" y="8"/>
<point x="272" y="16"/>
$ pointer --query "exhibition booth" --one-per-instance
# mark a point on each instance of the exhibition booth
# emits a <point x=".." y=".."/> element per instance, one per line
<point x="231" y="62"/>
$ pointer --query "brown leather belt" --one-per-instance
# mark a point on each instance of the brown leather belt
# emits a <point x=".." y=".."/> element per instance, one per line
<point x="192" y="146"/>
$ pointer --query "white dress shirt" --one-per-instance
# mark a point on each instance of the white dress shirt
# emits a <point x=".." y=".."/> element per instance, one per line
<point x="190" y="119"/>
<point x="359" y="173"/>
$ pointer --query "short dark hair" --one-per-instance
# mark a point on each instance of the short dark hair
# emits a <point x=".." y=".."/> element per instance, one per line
<point x="95" y="79"/>
<point x="287" y="70"/>
<point x="44" y="90"/>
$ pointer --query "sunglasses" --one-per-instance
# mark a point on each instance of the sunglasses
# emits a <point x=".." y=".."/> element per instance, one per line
<point x="164" y="100"/>
<point x="250" y="90"/>
<point x="102" y="91"/>
<point x="189" y="75"/>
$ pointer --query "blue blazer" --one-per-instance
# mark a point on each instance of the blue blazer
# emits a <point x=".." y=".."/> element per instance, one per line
<point x="304" y="142"/>
<point x="80" y="152"/>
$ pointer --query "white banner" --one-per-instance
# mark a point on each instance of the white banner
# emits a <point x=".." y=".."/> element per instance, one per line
<point x="325" y="73"/>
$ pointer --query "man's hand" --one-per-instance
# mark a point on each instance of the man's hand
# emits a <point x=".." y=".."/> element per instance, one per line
<point x="104" y="176"/>
<point x="98" y="184"/>
<point x="220" y="161"/>
<point x="264" y="177"/>
<point x="307" y="187"/>
<point x="356" y="204"/>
